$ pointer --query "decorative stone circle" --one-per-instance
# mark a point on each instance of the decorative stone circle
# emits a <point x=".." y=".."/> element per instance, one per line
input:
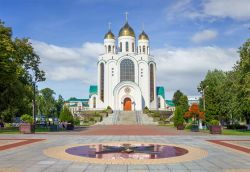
<point x="59" y="153"/>
<point x="127" y="90"/>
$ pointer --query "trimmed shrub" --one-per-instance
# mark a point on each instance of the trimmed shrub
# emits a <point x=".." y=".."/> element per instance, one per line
<point x="27" y="118"/>
<point x="66" y="116"/>
<point x="146" y="110"/>
<point x="188" y="126"/>
<point x="214" y="122"/>
<point x="178" y="116"/>
<point x="76" y="121"/>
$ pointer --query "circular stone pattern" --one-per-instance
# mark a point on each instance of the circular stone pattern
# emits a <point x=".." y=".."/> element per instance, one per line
<point x="126" y="153"/>
<point x="127" y="90"/>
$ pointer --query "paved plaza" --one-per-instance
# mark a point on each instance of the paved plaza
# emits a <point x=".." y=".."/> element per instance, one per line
<point x="27" y="152"/>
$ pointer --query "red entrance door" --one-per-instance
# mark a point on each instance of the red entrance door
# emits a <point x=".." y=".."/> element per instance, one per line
<point x="127" y="105"/>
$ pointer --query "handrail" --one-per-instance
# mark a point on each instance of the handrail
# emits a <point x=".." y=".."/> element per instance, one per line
<point x="116" y="117"/>
<point x="138" y="117"/>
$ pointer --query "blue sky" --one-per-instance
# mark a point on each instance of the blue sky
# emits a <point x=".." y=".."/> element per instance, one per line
<point x="187" y="37"/>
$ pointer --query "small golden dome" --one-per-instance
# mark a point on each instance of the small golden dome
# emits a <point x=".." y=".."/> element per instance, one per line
<point x="143" y="36"/>
<point x="126" y="30"/>
<point x="109" y="35"/>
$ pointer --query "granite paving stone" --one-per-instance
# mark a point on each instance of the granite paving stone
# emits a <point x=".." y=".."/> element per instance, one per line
<point x="32" y="158"/>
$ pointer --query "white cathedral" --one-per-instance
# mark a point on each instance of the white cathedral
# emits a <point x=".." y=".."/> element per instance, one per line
<point x="126" y="74"/>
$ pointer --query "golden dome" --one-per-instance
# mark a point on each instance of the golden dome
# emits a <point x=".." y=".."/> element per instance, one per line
<point x="126" y="30"/>
<point x="143" y="36"/>
<point x="109" y="35"/>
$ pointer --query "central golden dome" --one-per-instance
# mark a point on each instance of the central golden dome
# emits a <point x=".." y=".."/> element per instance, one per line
<point x="126" y="30"/>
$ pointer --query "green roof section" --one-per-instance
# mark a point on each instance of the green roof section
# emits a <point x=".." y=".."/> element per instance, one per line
<point x="73" y="102"/>
<point x="92" y="90"/>
<point x="170" y="103"/>
<point x="73" y="99"/>
<point x="160" y="91"/>
<point x="85" y="104"/>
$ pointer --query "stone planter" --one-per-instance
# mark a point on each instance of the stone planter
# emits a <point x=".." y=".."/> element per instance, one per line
<point x="27" y="128"/>
<point x="180" y="127"/>
<point x="215" y="129"/>
<point x="195" y="128"/>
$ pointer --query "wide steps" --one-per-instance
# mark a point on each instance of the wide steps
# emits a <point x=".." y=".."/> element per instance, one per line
<point x="127" y="118"/>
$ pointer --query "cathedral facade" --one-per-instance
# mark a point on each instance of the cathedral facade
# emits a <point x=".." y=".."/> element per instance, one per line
<point x="126" y="74"/>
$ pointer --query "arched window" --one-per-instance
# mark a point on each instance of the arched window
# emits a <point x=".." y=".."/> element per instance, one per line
<point x="133" y="47"/>
<point x="143" y="49"/>
<point x="140" y="49"/>
<point x="106" y="48"/>
<point x="109" y="48"/>
<point x="152" y="87"/>
<point x="113" y="49"/>
<point x="102" y="82"/>
<point x="94" y="102"/>
<point x="120" y="47"/>
<point x="127" y="70"/>
<point x="126" y="46"/>
<point x="159" y="102"/>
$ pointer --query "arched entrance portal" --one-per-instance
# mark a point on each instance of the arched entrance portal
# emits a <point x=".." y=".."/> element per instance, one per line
<point x="127" y="104"/>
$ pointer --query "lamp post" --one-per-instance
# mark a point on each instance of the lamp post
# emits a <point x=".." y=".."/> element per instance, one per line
<point x="34" y="104"/>
<point x="204" y="104"/>
<point x="204" y="101"/>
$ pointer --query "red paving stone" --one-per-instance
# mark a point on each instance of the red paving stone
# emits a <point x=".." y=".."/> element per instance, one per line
<point x="24" y="142"/>
<point x="139" y="130"/>
<point x="232" y="146"/>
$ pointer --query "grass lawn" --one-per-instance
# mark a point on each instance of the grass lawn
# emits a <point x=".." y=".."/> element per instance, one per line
<point x="169" y="125"/>
<point x="231" y="132"/>
<point x="235" y="132"/>
<point x="15" y="130"/>
<point x="10" y="130"/>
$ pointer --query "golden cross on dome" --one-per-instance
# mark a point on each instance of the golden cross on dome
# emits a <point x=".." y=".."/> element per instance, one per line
<point x="109" y="23"/>
<point x="142" y="26"/>
<point x="126" y="15"/>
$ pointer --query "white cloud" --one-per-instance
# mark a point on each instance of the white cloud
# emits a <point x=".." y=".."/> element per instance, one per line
<point x="235" y="9"/>
<point x="205" y="35"/>
<point x="209" y="9"/>
<point x="62" y="63"/>
<point x="177" y="68"/>
<point x="184" y="68"/>
<point x="181" y="8"/>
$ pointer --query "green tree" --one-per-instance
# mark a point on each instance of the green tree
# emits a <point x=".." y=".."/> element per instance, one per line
<point x="66" y="116"/>
<point x="243" y="70"/>
<point x="213" y="89"/>
<point x="18" y="66"/>
<point x="47" y="104"/>
<point x="183" y="103"/>
<point x="228" y="93"/>
<point x="176" y="97"/>
<point x="59" y="105"/>
<point x="178" y="116"/>
<point x="230" y="103"/>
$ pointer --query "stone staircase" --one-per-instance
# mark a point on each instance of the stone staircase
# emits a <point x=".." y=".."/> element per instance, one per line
<point x="127" y="118"/>
<point x="146" y="120"/>
<point x="107" y="120"/>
